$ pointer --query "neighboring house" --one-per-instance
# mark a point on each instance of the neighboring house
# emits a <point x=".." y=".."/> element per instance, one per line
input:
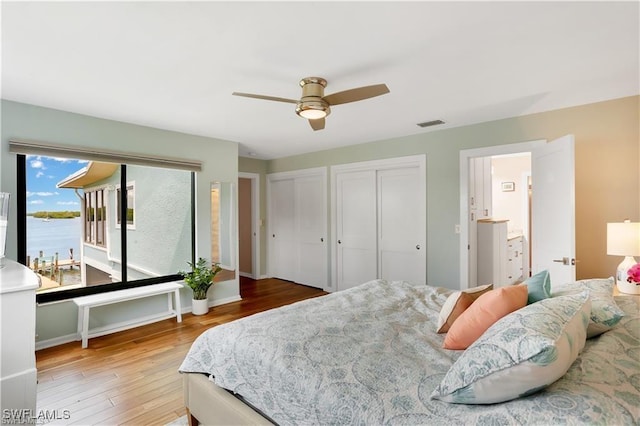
<point x="157" y="222"/>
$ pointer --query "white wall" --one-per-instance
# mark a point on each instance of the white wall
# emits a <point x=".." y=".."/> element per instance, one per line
<point x="510" y="204"/>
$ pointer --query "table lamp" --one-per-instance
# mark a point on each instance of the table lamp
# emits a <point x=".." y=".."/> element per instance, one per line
<point x="623" y="239"/>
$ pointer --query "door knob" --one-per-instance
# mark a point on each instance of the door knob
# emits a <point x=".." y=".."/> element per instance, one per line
<point x="339" y="241"/>
<point x="566" y="261"/>
<point x="417" y="246"/>
<point x="322" y="240"/>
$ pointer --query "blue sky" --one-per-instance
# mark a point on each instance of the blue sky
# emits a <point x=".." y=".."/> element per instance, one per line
<point x="43" y="173"/>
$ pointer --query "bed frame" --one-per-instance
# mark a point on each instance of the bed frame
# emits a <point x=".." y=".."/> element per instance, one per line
<point x="209" y="404"/>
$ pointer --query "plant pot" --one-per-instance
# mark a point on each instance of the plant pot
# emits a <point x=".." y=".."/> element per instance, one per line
<point x="199" y="307"/>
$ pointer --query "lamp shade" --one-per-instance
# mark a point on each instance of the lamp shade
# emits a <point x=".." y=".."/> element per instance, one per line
<point x="623" y="239"/>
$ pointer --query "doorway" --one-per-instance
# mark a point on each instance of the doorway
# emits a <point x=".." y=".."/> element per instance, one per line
<point x="509" y="201"/>
<point x="504" y="204"/>
<point x="552" y="215"/>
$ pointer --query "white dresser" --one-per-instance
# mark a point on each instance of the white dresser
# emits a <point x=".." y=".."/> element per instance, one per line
<point x="515" y="250"/>
<point x="18" y="381"/>
<point x="499" y="255"/>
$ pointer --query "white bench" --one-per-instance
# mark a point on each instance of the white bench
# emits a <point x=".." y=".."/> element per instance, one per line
<point x="85" y="303"/>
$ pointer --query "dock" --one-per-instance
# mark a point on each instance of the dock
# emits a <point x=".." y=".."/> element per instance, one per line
<point x="50" y="268"/>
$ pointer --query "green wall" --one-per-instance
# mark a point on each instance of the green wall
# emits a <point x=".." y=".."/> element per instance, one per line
<point x="607" y="175"/>
<point x="219" y="163"/>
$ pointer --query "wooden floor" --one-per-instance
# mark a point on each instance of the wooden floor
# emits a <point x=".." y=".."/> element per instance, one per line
<point x="132" y="377"/>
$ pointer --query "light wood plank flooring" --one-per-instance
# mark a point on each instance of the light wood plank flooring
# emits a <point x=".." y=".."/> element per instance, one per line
<point x="132" y="377"/>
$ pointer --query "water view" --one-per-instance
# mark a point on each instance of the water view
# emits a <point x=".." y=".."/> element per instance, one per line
<point x="51" y="236"/>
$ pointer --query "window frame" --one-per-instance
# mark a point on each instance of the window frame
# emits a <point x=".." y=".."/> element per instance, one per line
<point x="95" y="224"/>
<point x="63" y="295"/>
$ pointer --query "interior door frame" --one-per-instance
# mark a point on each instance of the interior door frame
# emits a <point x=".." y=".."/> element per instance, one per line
<point x="465" y="155"/>
<point x="255" y="224"/>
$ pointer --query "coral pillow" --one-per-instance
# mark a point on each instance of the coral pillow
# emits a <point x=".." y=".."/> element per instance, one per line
<point x="457" y="303"/>
<point x="483" y="313"/>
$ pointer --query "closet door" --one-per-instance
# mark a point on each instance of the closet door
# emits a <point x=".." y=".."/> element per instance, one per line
<point x="401" y="228"/>
<point x="282" y="217"/>
<point x="311" y="224"/>
<point x="356" y="218"/>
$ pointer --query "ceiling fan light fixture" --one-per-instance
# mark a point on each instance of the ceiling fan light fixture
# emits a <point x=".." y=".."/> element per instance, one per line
<point x="313" y="110"/>
<point x="314" y="106"/>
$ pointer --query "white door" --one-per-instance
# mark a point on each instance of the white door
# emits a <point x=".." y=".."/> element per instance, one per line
<point x="282" y="229"/>
<point x="401" y="230"/>
<point x="553" y="209"/>
<point x="311" y="224"/>
<point x="356" y="245"/>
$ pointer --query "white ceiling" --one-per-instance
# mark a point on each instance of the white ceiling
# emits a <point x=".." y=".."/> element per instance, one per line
<point x="174" y="65"/>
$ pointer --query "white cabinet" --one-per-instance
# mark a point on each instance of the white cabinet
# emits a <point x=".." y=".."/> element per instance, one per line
<point x="480" y="189"/>
<point x="297" y="223"/>
<point x="18" y="285"/>
<point x="480" y="201"/>
<point x="499" y="256"/>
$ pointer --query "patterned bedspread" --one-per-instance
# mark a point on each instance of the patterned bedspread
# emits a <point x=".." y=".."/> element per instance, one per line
<point x="370" y="356"/>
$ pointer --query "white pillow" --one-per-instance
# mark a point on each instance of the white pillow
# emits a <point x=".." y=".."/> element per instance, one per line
<point x="520" y="354"/>
<point x="457" y="303"/>
<point x="605" y="313"/>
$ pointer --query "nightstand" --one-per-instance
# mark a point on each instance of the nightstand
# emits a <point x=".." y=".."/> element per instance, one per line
<point x="635" y="297"/>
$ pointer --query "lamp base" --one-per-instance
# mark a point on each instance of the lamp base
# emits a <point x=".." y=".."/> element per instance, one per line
<point x="621" y="277"/>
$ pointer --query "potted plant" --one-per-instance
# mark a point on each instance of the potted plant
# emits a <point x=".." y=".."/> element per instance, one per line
<point x="199" y="279"/>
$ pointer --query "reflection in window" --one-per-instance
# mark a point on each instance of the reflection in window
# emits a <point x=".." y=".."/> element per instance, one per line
<point x="215" y="223"/>
<point x="222" y="224"/>
<point x="130" y="205"/>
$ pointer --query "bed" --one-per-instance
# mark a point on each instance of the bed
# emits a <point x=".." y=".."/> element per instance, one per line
<point x="370" y="355"/>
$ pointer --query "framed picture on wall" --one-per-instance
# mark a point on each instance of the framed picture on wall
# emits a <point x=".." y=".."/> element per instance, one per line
<point x="508" y="186"/>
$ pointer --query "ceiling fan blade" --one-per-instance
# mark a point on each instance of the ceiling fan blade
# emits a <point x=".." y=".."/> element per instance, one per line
<point x="266" y="98"/>
<point x="317" y="124"/>
<point x="358" y="94"/>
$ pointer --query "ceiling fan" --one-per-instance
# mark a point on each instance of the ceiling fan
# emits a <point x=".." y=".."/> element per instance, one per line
<point x="315" y="106"/>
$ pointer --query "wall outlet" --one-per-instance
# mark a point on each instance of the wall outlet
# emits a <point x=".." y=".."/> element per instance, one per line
<point x="457" y="229"/>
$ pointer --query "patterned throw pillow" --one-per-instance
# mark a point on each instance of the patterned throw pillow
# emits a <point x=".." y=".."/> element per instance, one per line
<point x="539" y="287"/>
<point x="520" y="354"/>
<point x="605" y="313"/>
<point x="457" y="303"/>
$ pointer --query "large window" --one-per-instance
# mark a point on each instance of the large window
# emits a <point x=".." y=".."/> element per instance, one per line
<point x="155" y="244"/>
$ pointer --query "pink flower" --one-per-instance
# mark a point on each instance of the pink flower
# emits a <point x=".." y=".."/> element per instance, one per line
<point x="634" y="274"/>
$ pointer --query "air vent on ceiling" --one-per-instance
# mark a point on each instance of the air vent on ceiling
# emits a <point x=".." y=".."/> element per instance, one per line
<point x="430" y="123"/>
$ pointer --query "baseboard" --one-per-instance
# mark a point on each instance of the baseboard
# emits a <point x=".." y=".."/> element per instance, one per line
<point x="224" y="301"/>
<point x="56" y="341"/>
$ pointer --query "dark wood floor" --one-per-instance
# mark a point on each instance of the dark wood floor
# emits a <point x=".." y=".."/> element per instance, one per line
<point x="132" y="377"/>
